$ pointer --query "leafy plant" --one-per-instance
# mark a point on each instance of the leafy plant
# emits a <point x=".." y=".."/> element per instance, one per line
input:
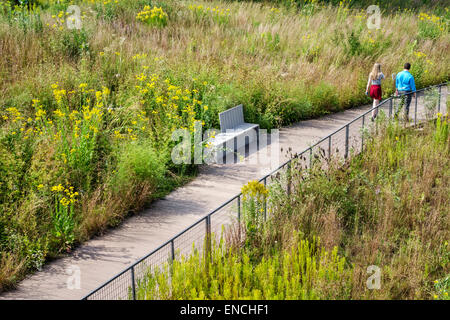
<point x="430" y="26"/>
<point x="63" y="216"/>
<point x="254" y="196"/>
<point x="137" y="163"/>
<point x="28" y="18"/>
<point x="441" y="132"/>
<point x="442" y="287"/>
<point x="299" y="273"/>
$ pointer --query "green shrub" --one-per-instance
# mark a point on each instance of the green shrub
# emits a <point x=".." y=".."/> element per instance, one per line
<point x="138" y="163"/>
<point x="32" y="251"/>
<point x="324" y="99"/>
<point x="441" y="133"/>
<point x="63" y="217"/>
<point x="26" y="18"/>
<point x="254" y="195"/>
<point x="442" y="287"/>
<point x="74" y="42"/>
<point x="354" y="46"/>
<point x="296" y="108"/>
<point x="431" y="26"/>
<point x="108" y="10"/>
<point x="303" y="272"/>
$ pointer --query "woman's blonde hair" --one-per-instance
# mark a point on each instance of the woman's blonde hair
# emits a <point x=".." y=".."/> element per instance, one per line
<point x="376" y="72"/>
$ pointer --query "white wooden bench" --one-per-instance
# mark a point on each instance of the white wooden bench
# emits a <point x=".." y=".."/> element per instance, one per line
<point x="235" y="135"/>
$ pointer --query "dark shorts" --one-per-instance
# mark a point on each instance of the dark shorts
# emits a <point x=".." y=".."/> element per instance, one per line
<point x="406" y="100"/>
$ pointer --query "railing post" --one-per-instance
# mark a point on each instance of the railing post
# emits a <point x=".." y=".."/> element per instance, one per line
<point x="329" y="148"/>
<point x="235" y="157"/>
<point x="346" y="141"/>
<point x="439" y="102"/>
<point x="394" y="108"/>
<point x="208" y="225"/>
<point x="415" y="110"/>
<point x="172" y="252"/>
<point x="362" y="132"/>
<point x="390" y="108"/>
<point x="289" y="178"/>
<point x="208" y="235"/>
<point x="133" y="286"/>
<point x="239" y="215"/>
<point x="310" y="158"/>
<point x="239" y="207"/>
<point x="265" y="200"/>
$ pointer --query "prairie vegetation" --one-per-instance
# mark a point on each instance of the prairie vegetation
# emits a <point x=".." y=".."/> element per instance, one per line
<point x="387" y="207"/>
<point x="87" y="114"/>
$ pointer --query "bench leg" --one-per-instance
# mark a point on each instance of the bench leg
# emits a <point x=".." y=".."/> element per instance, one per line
<point x="224" y="154"/>
<point x="235" y="149"/>
<point x="257" y="139"/>
<point x="247" y="147"/>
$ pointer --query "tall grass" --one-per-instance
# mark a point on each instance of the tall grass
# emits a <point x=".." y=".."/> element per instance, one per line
<point x="301" y="273"/>
<point x="94" y="109"/>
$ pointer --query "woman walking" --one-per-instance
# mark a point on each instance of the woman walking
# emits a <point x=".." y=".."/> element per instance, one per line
<point x="374" y="83"/>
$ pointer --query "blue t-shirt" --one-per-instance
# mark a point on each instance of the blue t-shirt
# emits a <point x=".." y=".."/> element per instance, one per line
<point x="405" y="81"/>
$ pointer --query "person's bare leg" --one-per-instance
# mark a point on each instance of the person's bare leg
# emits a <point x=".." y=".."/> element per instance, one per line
<point x="375" y="111"/>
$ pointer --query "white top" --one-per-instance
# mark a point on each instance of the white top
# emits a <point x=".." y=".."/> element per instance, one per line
<point x="376" y="81"/>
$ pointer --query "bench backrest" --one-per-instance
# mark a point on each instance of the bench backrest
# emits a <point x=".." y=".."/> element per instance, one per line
<point x="231" y="118"/>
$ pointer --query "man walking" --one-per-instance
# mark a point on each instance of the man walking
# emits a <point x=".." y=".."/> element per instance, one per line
<point x="404" y="85"/>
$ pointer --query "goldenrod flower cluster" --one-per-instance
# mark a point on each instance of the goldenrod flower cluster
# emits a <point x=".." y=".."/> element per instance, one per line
<point x="344" y="7"/>
<point x="216" y="13"/>
<point x="155" y="16"/>
<point x="442" y="287"/>
<point x="106" y="2"/>
<point x="15" y="114"/>
<point x="17" y="122"/>
<point x="73" y="132"/>
<point x="169" y="104"/>
<point x="432" y="19"/>
<point x="139" y="56"/>
<point x="58" y="20"/>
<point x="424" y="16"/>
<point x="274" y="10"/>
<point x="422" y="58"/>
<point x="254" y="189"/>
<point x="66" y="194"/>
<point x="419" y="54"/>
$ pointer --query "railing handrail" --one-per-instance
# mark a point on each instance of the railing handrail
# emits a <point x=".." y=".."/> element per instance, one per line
<point x="171" y="240"/>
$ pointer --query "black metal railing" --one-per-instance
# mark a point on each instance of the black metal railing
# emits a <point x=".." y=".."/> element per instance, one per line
<point x="344" y="142"/>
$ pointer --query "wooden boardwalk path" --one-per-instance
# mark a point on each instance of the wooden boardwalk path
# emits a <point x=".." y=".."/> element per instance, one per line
<point x="102" y="257"/>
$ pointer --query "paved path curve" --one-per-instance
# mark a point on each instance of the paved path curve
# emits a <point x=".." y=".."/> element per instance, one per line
<point x="102" y="257"/>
